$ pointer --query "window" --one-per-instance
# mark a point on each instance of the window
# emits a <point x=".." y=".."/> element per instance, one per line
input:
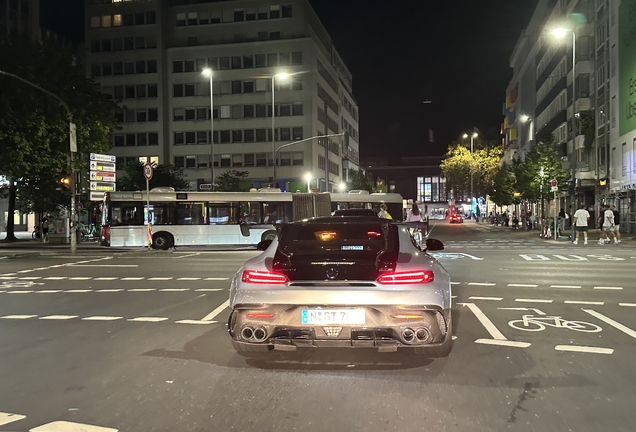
<point x="178" y="138"/>
<point x="248" y="160"/>
<point x="181" y="19"/>
<point x="237" y="111"/>
<point x="129" y="43"/>
<point x="285" y="158"/>
<point x="225" y="137"/>
<point x="119" y="140"/>
<point x="236" y="87"/>
<point x="118" y="68"/>
<point x="193" y="18"/>
<point x="128" y="19"/>
<point x="261" y="110"/>
<point x="190" y="138"/>
<point x="153" y="114"/>
<point x="95" y="22"/>
<point x="261" y="159"/>
<point x="190" y="113"/>
<point x="179" y="162"/>
<point x="272" y="59"/>
<point x="224" y="63"/>
<point x="287" y="11"/>
<point x="251" y="14"/>
<point x="142" y="116"/>
<point x="237" y="160"/>
<point x="285" y="134"/>
<point x="130" y="91"/>
<point x="237" y="136"/>
<point x="225" y="111"/>
<point x="96" y="70"/>
<point x="140" y="18"/>
<point x="297" y="58"/>
<point x="261" y="135"/>
<point x="285" y="59"/>
<point x="297" y="133"/>
<point x="106" y="21"/>
<point x="140" y="42"/>
<point x="178" y="114"/>
<point x="107" y="69"/>
<point x="263" y="13"/>
<point x="189" y="66"/>
<point x="95" y="46"/>
<point x="118" y="92"/>
<point x="262" y="84"/>
<point x="225" y="87"/>
<point x="248" y="87"/>
<point x="297" y="159"/>
<point x="296" y="82"/>
<point x="284" y="109"/>
<point x="261" y="60"/>
<point x="142" y="139"/>
<point x="151" y="17"/>
<point x="239" y="15"/>
<point x="202" y="114"/>
<point x="262" y="36"/>
<point x="152" y="90"/>
<point x="248" y="62"/>
<point x="152" y="66"/>
<point x="130" y="140"/>
<point x="140" y="66"/>
<point x="297" y="108"/>
<point x="236" y="62"/>
<point x="153" y="138"/>
<point x="202" y="138"/>
<point x="274" y="11"/>
<point x="249" y="135"/>
<point x="190" y="162"/>
<point x="248" y="111"/>
<point x="189" y="89"/>
<point x="275" y="35"/>
<point x="118" y="44"/>
<point x="177" y="66"/>
<point x="177" y="90"/>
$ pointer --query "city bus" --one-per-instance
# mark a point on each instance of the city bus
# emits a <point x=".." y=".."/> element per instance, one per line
<point x="215" y="218"/>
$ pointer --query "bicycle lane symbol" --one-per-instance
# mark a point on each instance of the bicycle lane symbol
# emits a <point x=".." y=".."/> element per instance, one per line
<point x="541" y="321"/>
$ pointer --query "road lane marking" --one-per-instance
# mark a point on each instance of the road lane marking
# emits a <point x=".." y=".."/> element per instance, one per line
<point x="209" y="289"/>
<point x="18" y="316"/>
<point x="195" y="322"/>
<point x="102" y="318"/>
<point x="8" y="277"/>
<point x="484" y="320"/>
<point x="566" y="286"/>
<point x="215" y="312"/>
<point x="188" y="279"/>
<point x="584" y="302"/>
<point x="103" y="265"/>
<point x="611" y="322"/>
<point x="627" y="304"/>
<point x="109" y="290"/>
<point x="504" y="342"/>
<point x="20" y="292"/>
<point x="78" y="291"/>
<point x="482" y="283"/>
<point x="80" y="278"/>
<point x="148" y="319"/>
<point x="142" y="289"/>
<point x="485" y="298"/>
<point x="534" y="300"/>
<point x="47" y="291"/>
<point x="132" y="278"/>
<point x="455" y="283"/>
<point x="64" y="426"/>
<point x="215" y="279"/>
<point x="159" y="278"/>
<point x="186" y="256"/>
<point x="58" y="317"/>
<point x="32" y="278"/>
<point x="105" y="278"/>
<point x="537" y="311"/>
<point x="6" y="418"/>
<point x="584" y="349"/>
<point x="523" y="285"/>
<point x="607" y="288"/>
<point x="175" y="289"/>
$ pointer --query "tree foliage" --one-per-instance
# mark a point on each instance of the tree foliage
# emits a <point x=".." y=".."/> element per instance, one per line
<point x="34" y="127"/>
<point x="359" y="180"/>
<point x="233" y="181"/>
<point x="163" y="175"/>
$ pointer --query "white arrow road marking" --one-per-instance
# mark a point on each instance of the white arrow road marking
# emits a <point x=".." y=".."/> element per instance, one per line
<point x="611" y="322"/>
<point x="537" y="311"/>
<point x="218" y="310"/>
<point x="472" y="256"/>
<point x="6" y="418"/>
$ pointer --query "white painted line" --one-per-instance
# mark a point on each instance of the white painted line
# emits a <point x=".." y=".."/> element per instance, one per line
<point x="584" y="349"/>
<point x="142" y="289"/>
<point x="503" y="343"/>
<point x="485" y="321"/>
<point x="534" y="300"/>
<point x="102" y="318"/>
<point x="55" y="278"/>
<point x="32" y="278"/>
<point x="78" y="291"/>
<point x="209" y="289"/>
<point x="611" y="322"/>
<point x="453" y="296"/>
<point x="80" y="278"/>
<point x="523" y="285"/>
<point x="18" y="316"/>
<point x="607" y="288"/>
<point x="159" y="278"/>
<point x="132" y="278"/>
<point x="454" y="337"/>
<point x="214" y="278"/>
<point x="25" y="271"/>
<point x="566" y="286"/>
<point x="216" y="311"/>
<point x="584" y="302"/>
<point x="186" y="256"/>
<point x="8" y="277"/>
<point x="485" y="298"/>
<point x="20" y="292"/>
<point x="455" y="283"/>
<point x="196" y="322"/>
<point x="6" y="418"/>
<point x="64" y="426"/>
<point x="175" y="289"/>
<point x="58" y="317"/>
<point x="627" y="304"/>
<point x="110" y="290"/>
<point x="104" y="265"/>
<point x="188" y="279"/>
<point x="47" y="291"/>
<point x="148" y="319"/>
<point x="105" y="278"/>
<point x="482" y="283"/>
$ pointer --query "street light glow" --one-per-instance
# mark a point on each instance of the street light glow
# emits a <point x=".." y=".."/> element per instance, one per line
<point x="465" y="136"/>
<point x="342" y="187"/>
<point x="475" y="135"/>
<point x="308" y="176"/>
<point x="560" y="32"/>
<point x="207" y="72"/>
<point x="282" y="75"/>
<point x="524" y="118"/>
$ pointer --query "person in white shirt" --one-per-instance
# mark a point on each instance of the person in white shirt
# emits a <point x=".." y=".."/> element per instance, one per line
<point x="581" y="218"/>
<point x="608" y="226"/>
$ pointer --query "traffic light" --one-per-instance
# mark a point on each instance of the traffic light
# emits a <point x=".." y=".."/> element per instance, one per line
<point x="65" y="183"/>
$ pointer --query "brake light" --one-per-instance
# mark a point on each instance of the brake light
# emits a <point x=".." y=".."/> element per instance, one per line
<point x="327" y="235"/>
<point x="263" y="277"/>
<point x="411" y="277"/>
<point x="373" y="234"/>
<point x="408" y="316"/>
<point x="259" y="315"/>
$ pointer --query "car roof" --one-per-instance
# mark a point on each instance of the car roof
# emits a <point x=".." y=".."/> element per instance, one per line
<point x="340" y="220"/>
<point x="355" y="212"/>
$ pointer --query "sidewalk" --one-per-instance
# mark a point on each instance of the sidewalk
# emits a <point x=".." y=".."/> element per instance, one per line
<point x="25" y="246"/>
<point x="593" y="236"/>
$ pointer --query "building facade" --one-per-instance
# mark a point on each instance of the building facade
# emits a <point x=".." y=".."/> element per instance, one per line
<point x="151" y="55"/>
<point x="20" y="16"/>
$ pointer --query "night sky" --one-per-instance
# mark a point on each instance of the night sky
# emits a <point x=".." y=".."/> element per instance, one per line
<point x="454" y="53"/>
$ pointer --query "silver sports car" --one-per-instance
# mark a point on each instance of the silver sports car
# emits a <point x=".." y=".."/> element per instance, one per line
<point x="342" y="282"/>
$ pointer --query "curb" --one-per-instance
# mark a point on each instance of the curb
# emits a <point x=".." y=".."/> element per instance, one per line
<point x="19" y="255"/>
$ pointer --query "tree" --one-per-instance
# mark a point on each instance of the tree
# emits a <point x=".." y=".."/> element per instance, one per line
<point x="359" y="180"/>
<point x="233" y="181"/>
<point x="34" y="127"/>
<point x="504" y="186"/>
<point x="165" y="175"/>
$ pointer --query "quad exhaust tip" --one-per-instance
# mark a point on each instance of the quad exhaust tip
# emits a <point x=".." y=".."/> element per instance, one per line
<point x="422" y="335"/>
<point x="247" y="333"/>
<point x="258" y="334"/>
<point x="408" y="335"/>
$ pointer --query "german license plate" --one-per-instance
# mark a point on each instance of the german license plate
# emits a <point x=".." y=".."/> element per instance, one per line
<point x="333" y="316"/>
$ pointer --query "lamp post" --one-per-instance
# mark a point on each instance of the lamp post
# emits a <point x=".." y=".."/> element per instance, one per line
<point x="342" y="187"/>
<point x="209" y="73"/>
<point x="541" y="174"/>
<point x="472" y="143"/>
<point x="308" y="178"/>
<point x="560" y="33"/>
<point x="72" y="150"/>
<point x="281" y="76"/>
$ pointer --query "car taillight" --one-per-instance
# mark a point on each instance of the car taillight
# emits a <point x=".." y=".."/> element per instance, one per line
<point x="263" y="277"/>
<point x="408" y="316"/>
<point x="259" y="315"/>
<point x="411" y="277"/>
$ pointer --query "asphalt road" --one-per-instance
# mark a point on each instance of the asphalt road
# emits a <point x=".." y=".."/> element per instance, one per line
<point x="137" y="341"/>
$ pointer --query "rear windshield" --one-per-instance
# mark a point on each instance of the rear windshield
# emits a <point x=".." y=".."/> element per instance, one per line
<point x="335" y="237"/>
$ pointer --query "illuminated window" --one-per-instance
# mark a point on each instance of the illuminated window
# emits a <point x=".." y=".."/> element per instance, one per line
<point x="117" y="20"/>
<point x="106" y="20"/>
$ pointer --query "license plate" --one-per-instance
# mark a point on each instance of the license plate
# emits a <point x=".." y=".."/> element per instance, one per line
<point x="333" y="316"/>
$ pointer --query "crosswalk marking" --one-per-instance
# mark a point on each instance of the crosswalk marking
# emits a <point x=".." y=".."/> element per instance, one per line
<point x="6" y="418"/>
<point x="64" y="426"/>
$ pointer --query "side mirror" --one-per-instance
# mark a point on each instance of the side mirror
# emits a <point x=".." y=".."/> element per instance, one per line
<point x="263" y="245"/>
<point x="434" y="245"/>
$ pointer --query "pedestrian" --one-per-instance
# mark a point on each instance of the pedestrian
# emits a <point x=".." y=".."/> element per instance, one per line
<point x="561" y="219"/>
<point x="413" y="215"/>
<point x="581" y="218"/>
<point x="617" y="223"/>
<point x="384" y="213"/>
<point x="45" y="227"/>
<point x="608" y="226"/>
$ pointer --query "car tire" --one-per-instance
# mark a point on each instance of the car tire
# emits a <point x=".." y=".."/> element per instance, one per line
<point x="269" y="235"/>
<point x="442" y="350"/>
<point x="162" y="240"/>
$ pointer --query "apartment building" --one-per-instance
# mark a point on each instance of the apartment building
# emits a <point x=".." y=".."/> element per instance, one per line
<point x="151" y="55"/>
<point x="20" y="16"/>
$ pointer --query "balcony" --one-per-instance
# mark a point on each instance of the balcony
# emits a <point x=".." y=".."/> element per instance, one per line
<point x="350" y="154"/>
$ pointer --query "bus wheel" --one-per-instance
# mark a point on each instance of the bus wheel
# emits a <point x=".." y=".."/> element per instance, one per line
<point x="162" y="241"/>
<point x="269" y="235"/>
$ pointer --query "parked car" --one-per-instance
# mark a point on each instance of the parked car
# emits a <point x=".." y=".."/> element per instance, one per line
<point x="342" y="282"/>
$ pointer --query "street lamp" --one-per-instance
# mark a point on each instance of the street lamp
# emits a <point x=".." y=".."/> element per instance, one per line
<point x="524" y="118"/>
<point x="541" y="174"/>
<point x="308" y="178"/>
<point x="342" y="187"/>
<point x="282" y="76"/>
<point x="472" y="144"/>
<point x="560" y="33"/>
<point x="209" y="73"/>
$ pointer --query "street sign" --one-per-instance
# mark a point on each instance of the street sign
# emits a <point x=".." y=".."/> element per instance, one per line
<point x="73" y="132"/>
<point x="102" y="187"/>
<point x="79" y="206"/>
<point x="96" y="196"/>
<point x="148" y="170"/>
<point x="102" y="166"/>
<point x="205" y="186"/>
<point x="109" y="177"/>
<point x="554" y="185"/>
<point x="103" y="158"/>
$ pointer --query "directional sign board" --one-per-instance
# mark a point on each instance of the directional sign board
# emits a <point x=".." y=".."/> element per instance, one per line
<point x="102" y="187"/>
<point x="96" y="196"/>
<point x="205" y="186"/>
<point x="102" y="166"/>
<point x="554" y="185"/>
<point x="103" y="176"/>
<point x="103" y="158"/>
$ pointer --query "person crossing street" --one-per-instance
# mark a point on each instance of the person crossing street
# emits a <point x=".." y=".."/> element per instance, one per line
<point x="581" y="218"/>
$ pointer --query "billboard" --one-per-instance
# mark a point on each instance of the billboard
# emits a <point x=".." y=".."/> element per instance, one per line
<point x="627" y="66"/>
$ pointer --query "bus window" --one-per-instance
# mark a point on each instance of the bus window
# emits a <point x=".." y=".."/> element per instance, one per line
<point x="126" y="214"/>
<point x="190" y="213"/>
<point x="163" y="213"/>
<point x="277" y="212"/>
<point x="250" y="213"/>
<point x="223" y="214"/>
